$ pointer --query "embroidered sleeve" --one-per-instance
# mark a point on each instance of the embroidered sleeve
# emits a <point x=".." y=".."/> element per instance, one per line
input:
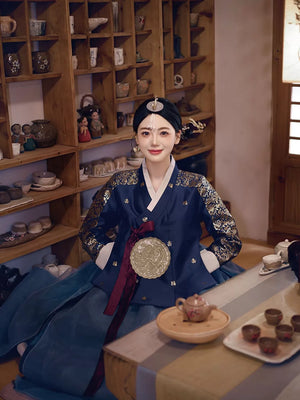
<point x="104" y="214"/>
<point x="101" y="217"/>
<point x="219" y="223"/>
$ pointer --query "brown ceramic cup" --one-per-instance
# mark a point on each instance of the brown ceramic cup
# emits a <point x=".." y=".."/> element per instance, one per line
<point x="268" y="345"/>
<point x="251" y="332"/>
<point x="295" y="321"/>
<point x="273" y="316"/>
<point x="284" y="332"/>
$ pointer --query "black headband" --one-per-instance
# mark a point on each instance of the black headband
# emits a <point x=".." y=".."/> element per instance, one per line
<point x="160" y="106"/>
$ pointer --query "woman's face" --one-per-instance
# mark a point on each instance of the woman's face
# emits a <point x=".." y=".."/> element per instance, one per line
<point x="156" y="138"/>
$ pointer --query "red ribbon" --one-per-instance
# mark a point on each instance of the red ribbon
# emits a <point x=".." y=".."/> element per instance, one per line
<point x="125" y="285"/>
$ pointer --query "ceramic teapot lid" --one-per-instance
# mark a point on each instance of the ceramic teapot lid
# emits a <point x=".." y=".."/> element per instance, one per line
<point x="284" y="243"/>
<point x="196" y="300"/>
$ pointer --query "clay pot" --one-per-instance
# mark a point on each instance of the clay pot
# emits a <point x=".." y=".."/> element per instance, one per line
<point x="44" y="133"/>
<point x="12" y="64"/>
<point x="40" y="62"/>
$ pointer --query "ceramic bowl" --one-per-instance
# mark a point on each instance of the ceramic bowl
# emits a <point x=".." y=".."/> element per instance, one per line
<point x="135" y="162"/>
<point x="25" y="186"/>
<point x="295" y="322"/>
<point x="95" y="22"/>
<point x="273" y="316"/>
<point x="43" y="178"/>
<point x="15" y="193"/>
<point x="267" y="344"/>
<point x="251" y="332"/>
<point x="284" y="332"/>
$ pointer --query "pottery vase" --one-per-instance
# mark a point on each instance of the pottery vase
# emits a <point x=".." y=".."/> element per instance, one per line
<point x="40" y="62"/>
<point x="12" y="64"/>
<point x="44" y="133"/>
<point x="120" y="119"/>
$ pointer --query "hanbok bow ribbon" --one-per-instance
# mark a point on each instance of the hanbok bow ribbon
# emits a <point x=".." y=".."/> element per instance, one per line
<point x="121" y="295"/>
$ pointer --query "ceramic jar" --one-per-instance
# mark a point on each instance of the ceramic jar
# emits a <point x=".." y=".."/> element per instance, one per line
<point x="122" y="89"/>
<point x="44" y="133"/>
<point x="40" y="62"/>
<point x="142" y="86"/>
<point x="12" y="64"/>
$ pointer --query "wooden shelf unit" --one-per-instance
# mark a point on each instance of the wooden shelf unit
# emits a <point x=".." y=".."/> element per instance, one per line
<point x="165" y="20"/>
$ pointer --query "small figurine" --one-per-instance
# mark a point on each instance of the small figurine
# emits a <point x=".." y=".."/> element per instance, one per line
<point x="96" y="125"/>
<point x="29" y="143"/>
<point x="83" y="130"/>
<point x="18" y="136"/>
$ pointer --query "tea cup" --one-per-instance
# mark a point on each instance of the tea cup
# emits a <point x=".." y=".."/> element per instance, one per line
<point x="93" y="56"/>
<point x="272" y="261"/>
<point x="273" y="316"/>
<point x="194" y="19"/>
<point x="267" y="344"/>
<point x="295" y="322"/>
<point x="16" y="148"/>
<point x="142" y="86"/>
<point x="74" y="62"/>
<point x="139" y="22"/>
<point x="118" y="56"/>
<point x="37" y="27"/>
<point x="284" y="332"/>
<point x="8" y="25"/>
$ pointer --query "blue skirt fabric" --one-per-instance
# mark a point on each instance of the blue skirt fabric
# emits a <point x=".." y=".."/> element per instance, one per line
<point x="62" y="322"/>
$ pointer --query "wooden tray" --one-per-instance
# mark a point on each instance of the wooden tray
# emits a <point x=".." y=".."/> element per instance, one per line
<point x="170" y="323"/>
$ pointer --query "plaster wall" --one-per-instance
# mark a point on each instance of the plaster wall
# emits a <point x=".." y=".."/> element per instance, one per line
<point x="243" y="110"/>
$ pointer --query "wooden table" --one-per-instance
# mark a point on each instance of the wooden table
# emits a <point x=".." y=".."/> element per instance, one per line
<point x="147" y="365"/>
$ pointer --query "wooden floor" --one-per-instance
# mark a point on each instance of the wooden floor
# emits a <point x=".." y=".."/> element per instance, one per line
<point x="250" y="255"/>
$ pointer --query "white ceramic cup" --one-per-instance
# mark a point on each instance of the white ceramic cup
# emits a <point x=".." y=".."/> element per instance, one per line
<point x="178" y="81"/>
<point x="16" y="148"/>
<point x="74" y="62"/>
<point x="118" y="56"/>
<point x="72" y="24"/>
<point x="93" y="56"/>
<point x="272" y="261"/>
<point x="37" y="27"/>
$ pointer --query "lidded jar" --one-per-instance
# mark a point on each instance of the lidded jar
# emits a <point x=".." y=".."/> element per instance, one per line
<point x="44" y="133"/>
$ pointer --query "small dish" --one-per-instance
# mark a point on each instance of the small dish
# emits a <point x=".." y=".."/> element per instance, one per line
<point x="265" y="271"/>
<point x="46" y="188"/>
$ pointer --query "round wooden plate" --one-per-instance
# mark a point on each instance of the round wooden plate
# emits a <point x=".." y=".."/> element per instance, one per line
<point x="170" y="323"/>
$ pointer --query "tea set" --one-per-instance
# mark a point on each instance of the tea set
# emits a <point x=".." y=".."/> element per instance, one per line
<point x="276" y="261"/>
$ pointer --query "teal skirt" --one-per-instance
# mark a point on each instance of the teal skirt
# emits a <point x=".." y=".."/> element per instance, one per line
<point x="63" y="324"/>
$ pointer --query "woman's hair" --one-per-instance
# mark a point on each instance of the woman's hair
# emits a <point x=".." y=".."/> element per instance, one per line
<point x="294" y="257"/>
<point x="160" y="106"/>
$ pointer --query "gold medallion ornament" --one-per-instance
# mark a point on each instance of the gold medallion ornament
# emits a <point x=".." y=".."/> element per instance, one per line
<point x="150" y="258"/>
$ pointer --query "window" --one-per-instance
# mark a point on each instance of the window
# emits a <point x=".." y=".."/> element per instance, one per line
<point x="294" y="132"/>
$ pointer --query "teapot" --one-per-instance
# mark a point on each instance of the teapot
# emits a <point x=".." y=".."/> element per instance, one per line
<point x="281" y="249"/>
<point x="194" y="308"/>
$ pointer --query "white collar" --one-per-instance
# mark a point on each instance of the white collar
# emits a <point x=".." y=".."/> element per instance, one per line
<point x="155" y="196"/>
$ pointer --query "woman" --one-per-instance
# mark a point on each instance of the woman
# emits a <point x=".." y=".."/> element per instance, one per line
<point x="154" y="259"/>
